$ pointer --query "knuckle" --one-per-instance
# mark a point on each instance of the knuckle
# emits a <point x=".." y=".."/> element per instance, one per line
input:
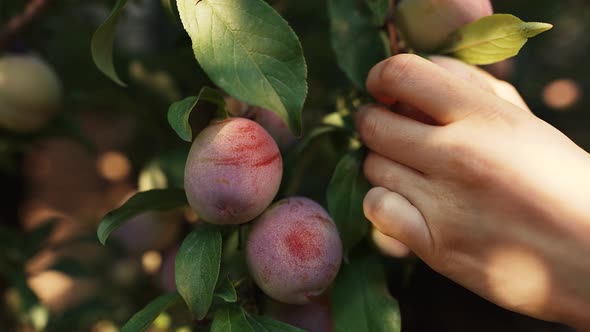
<point x="374" y="206"/>
<point x="367" y="126"/>
<point x="397" y="68"/>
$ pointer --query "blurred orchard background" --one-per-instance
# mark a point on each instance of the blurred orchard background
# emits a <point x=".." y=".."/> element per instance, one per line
<point x="109" y="142"/>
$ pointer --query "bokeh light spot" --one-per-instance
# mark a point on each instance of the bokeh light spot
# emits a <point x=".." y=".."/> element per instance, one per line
<point x="113" y="166"/>
<point x="561" y="94"/>
<point x="151" y="261"/>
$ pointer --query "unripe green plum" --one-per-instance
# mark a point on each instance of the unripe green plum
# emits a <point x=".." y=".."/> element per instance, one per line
<point x="233" y="172"/>
<point x="294" y="250"/>
<point x="30" y="93"/>
<point x="427" y="24"/>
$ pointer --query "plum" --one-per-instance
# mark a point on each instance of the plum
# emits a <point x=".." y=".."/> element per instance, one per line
<point x="312" y="317"/>
<point x="427" y="24"/>
<point x="30" y="92"/>
<point x="275" y="126"/>
<point x="294" y="250"/>
<point x="149" y="231"/>
<point x="233" y="172"/>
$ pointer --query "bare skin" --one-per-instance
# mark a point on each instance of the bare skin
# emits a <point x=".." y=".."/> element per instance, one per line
<point x="483" y="191"/>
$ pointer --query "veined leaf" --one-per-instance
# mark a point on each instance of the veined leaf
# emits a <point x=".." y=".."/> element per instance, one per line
<point x="249" y="50"/>
<point x="360" y="299"/>
<point x="346" y="192"/>
<point x="492" y="38"/>
<point x="196" y="268"/>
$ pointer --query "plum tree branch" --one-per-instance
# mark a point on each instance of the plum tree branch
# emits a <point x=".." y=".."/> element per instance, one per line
<point x="18" y="23"/>
<point x="391" y="28"/>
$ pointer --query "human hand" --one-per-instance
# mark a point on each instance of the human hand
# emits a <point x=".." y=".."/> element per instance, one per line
<point x="485" y="193"/>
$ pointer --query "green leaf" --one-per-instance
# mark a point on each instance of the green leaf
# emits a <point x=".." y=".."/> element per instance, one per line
<point x="492" y="38"/>
<point x="197" y="268"/>
<point x="379" y="9"/>
<point x="142" y="320"/>
<point x="267" y="324"/>
<point x="356" y="40"/>
<point x="361" y="301"/>
<point x="297" y="158"/>
<point x="231" y="319"/>
<point x="152" y="200"/>
<point x="346" y="192"/>
<point x="249" y="50"/>
<point x="226" y="291"/>
<point x="102" y="43"/>
<point x="180" y="111"/>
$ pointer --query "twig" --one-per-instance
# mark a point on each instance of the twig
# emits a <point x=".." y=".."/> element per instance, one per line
<point x="391" y="28"/>
<point x="20" y="22"/>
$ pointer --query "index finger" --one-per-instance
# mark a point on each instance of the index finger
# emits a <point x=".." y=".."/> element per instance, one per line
<point x="418" y="82"/>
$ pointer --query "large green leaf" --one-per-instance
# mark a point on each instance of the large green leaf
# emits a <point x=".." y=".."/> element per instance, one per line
<point x="356" y="40"/>
<point x="249" y="50"/>
<point x="360" y="299"/>
<point x="152" y="200"/>
<point x="197" y="266"/>
<point x="102" y="43"/>
<point x="346" y="192"/>
<point x="142" y="320"/>
<point x="492" y="38"/>
<point x="180" y="111"/>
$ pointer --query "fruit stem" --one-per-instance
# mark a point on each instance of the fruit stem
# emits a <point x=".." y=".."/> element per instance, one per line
<point x="20" y="22"/>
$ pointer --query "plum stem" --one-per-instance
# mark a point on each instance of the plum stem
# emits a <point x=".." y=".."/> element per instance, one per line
<point x="20" y="22"/>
